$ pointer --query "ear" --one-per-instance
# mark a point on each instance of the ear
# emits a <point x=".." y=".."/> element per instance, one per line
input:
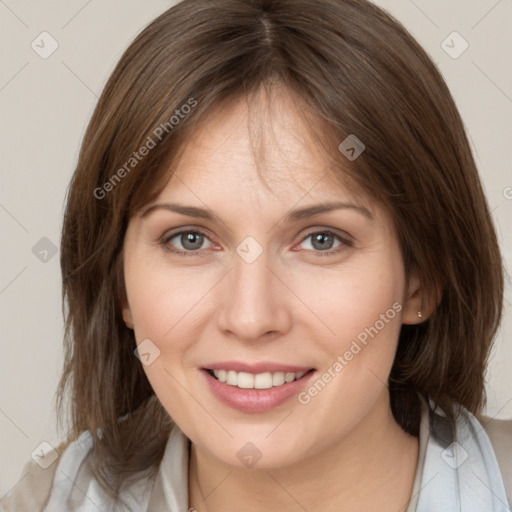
<point x="127" y="316"/>
<point x="125" y="309"/>
<point x="121" y="292"/>
<point x="419" y="303"/>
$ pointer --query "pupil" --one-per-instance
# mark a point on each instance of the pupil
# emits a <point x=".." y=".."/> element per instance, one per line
<point x="323" y="239"/>
<point x="192" y="240"/>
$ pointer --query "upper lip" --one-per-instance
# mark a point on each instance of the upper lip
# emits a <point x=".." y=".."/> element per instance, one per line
<point x="256" y="368"/>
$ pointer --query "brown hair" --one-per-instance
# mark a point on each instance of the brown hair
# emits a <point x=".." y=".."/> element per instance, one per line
<point x="358" y="71"/>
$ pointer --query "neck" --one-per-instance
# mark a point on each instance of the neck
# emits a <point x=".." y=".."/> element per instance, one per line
<point x="371" y="468"/>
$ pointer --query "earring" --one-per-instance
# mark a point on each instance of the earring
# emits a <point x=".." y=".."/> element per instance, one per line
<point x="420" y="314"/>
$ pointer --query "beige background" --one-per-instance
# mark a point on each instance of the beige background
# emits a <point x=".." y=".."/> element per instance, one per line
<point x="45" y="106"/>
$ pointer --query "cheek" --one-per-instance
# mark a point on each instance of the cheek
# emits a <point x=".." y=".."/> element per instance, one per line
<point x="164" y="300"/>
<point x="360" y="309"/>
<point x="355" y="299"/>
<point x="165" y="303"/>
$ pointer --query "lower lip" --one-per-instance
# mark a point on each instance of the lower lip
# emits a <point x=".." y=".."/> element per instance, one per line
<point x="255" y="400"/>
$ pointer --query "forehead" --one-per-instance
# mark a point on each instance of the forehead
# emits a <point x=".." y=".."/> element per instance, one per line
<point x="268" y="144"/>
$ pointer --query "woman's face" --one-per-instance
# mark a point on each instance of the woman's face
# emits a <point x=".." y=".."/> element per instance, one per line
<point x="300" y="312"/>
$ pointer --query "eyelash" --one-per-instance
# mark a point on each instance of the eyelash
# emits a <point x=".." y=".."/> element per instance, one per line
<point x="344" y="242"/>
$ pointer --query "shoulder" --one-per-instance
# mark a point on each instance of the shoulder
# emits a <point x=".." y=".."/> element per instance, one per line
<point x="500" y="435"/>
<point x="32" y="490"/>
<point x="68" y="483"/>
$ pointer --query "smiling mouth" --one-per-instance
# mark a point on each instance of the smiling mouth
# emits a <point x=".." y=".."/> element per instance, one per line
<point x="264" y="380"/>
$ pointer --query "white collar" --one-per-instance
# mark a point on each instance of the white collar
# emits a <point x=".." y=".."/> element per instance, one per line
<point x="460" y="471"/>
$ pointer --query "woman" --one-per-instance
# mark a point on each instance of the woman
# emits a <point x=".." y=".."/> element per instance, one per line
<point x="281" y="276"/>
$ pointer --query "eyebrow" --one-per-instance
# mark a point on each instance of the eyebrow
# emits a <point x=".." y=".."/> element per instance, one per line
<point x="292" y="216"/>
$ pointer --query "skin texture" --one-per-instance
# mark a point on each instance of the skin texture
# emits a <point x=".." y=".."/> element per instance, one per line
<point x="292" y="305"/>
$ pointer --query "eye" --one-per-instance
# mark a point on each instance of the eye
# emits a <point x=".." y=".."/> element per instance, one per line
<point x="186" y="241"/>
<point x="324" y="243"/>
<point x="190" y="242"/>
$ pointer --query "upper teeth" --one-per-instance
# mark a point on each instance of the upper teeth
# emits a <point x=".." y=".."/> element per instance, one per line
<point x="259" y="381"/>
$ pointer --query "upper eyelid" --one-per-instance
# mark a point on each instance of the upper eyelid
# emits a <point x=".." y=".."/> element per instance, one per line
<point x="171" y="234"/>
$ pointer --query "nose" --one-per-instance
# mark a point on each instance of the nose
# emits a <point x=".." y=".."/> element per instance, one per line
<point x="255" y="303"/>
